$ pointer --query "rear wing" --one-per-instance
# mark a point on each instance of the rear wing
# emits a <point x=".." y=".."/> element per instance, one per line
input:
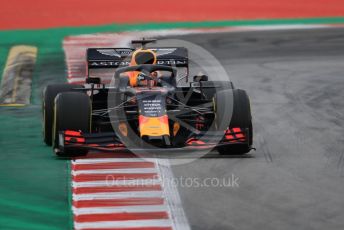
<point x="102" y="62"/>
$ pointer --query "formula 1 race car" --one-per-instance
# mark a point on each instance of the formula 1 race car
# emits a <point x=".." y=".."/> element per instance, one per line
<point x="145" y="106"/>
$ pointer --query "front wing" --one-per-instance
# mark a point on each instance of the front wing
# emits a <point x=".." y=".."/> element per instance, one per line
<point x="110" y="142"/>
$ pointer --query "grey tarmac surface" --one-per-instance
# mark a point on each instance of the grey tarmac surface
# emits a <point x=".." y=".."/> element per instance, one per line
<point x="295" y="179"/>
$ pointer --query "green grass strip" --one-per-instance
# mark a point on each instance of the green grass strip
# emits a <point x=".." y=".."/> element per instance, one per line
<point x="56" y="34"/>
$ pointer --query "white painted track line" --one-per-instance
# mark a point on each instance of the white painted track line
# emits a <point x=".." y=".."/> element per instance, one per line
<point x="110" y="183"/>
<point x="172" y="197"/>
<point x="111" y="171"/>
<point x="120" y="209"/>
<point x="106" y="160"/>
<point x="123" y="224"/>
<point x="116" y="195"/>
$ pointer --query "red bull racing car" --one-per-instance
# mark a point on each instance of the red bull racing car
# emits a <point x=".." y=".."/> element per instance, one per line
<point x="145" y="107"/>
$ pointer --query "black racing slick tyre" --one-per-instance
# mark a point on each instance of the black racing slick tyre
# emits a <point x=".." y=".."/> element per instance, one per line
<point x="241" y="117"/>
<point x="48" y="97"/>
<point x="72" y="111"/>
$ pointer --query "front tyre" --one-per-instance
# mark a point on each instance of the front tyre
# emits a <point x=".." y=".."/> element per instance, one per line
<point x="72" y="111"/>
<point x="241" y="118"/>
<point x="48" y="97"/>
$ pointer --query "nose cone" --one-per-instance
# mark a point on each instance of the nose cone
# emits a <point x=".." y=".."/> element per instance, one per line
<point x="153" y="126"/>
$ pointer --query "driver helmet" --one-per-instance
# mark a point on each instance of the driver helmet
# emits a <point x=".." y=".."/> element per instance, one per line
<point x="139" y="57"/>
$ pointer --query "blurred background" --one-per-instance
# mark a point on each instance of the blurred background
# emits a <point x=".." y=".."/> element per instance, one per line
<point x="20" y="14"/>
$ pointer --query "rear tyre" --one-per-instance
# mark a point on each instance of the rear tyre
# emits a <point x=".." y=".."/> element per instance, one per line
<point x="72" y="111"/>
<point x="241" y="117"/>
<point x="48" y="97"/>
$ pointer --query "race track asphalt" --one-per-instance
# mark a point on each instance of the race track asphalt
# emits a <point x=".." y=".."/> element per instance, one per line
<point x="295" y="178"/>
